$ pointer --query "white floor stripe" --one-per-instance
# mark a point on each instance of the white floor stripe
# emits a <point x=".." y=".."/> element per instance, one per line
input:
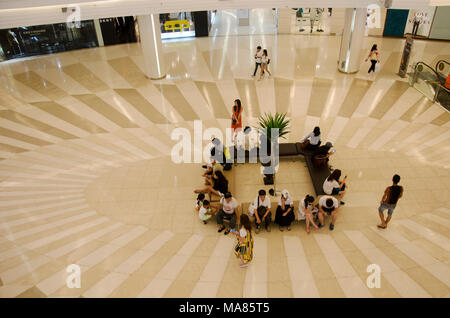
<point x="211" y="277"/>
<point x="41" y="216"/>
<point x="430" y="235"/>
<point x="65" y="249"/>
<point x="42" y="175"/>
<point x="50" y="168"/>
<point x="303" y="285"/>
<point x="337" y="128"/>
<point x="362" y="132"/>
<point x="54" y="282"/>
<point x="162" y="281"/>
<point x="27" y="267"/>
<point x="423" y="258"/>
<point x="113" y="280"/>
<point x="348" y="279"/>
<point x="125" y="145"/>
<point x="255" y="285"/>
<point x="401" y="282"/>
<point x="64" y="233"/>
<point x="11" y="291"/>
<point x="44" y="227"/>
<point x="12" y="203"/>
<point x="12" y="194"/>
<point x="106" y="285"/>
<point x="102" y="253"/>
<point x="38" y="208"/>
<point x="437" y="219"/>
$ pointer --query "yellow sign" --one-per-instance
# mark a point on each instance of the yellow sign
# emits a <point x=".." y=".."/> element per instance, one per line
<point x="181" y="25"/>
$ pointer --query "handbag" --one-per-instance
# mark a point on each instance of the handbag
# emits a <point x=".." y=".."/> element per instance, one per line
<point x="233" y="121"/>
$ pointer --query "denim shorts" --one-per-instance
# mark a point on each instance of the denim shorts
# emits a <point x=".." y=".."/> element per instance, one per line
<point x="389" y="207"/>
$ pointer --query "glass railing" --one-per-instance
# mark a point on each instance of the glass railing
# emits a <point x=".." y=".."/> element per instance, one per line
<point x="429" y="82"/>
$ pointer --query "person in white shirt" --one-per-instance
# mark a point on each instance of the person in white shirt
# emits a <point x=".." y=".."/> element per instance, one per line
<point x="264" y="64"/>
<point x="306" y="209"/>
<point x="285" y="211"/>
<point x="313" y="138"/>
<point x="332" y="185"/>
<point x="258" y="56"/>
<point x="330" y="205"/>
<point x="206" y="211"/>
<point x="199" y="202"/>
<point x="228" y="208"/>
<point x="261" y="215"/>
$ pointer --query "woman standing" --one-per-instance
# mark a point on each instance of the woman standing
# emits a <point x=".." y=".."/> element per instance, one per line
<point x="236" y="117"/>
<point x="306" y="208"/>
<point x="244" y="246"/>
<point x="265" y="61"/>
<point x="373" y="57"/>
<point x="285" y="211"/>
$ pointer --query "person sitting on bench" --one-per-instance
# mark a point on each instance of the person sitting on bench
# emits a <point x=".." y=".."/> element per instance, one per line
<point x="211" y="168"/>
<point x="261" y="215"/>
<point x="312" y="141"/>
<point x="219" y="187"/>
<point x="324" y="151"/>
<point x="329" y="205"/>
<point x="332" y="185"/>
<point x="228" y="208"/>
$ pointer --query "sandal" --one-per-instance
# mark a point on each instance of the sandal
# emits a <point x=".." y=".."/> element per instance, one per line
<point x="226" y="232"/>
<point x="242" y="265"/>
<point x="381" y="226"/>
<point x="221" y="229"/>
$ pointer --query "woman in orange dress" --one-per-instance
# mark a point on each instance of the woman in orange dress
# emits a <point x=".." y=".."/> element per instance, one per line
<point x="236" y="118"/>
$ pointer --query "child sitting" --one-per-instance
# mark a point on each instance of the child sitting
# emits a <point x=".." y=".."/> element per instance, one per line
<point x="199" y="202"/>
<point x="206" y="211"/>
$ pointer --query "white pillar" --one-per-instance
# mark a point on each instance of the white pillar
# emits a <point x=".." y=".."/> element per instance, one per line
<point x="284" y="20"/>
<point x="151" y="44"/>
<point x="352" y="40"/>
<point x="98" y="32"/>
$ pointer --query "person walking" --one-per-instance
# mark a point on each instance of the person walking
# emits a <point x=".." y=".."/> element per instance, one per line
<point x="264" y="64"/>
<point x="244" y="246"/>
<point x="389" y="201"/>
<point x="312" y="17"/>
<point x="258" y="56"/>
<point x="285" y="211"/>
<point x="236" y="118"/>
<point x="373" y="57"/>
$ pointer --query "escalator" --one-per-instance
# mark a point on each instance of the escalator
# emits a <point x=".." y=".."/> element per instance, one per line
<point x="431" y="81"/>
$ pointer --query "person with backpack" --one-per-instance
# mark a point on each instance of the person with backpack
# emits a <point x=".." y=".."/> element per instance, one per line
<point x="389" y="201"/>
<point x="265" y="61"/>
<point x="244" y="247"/>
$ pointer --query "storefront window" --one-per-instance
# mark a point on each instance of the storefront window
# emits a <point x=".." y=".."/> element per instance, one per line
<point x="44" y="39"/>
<point x="176" y="25"/>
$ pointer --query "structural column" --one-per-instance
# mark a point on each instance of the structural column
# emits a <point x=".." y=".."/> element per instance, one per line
<point x="151" y="44"/>
<point x="352" y="40"/>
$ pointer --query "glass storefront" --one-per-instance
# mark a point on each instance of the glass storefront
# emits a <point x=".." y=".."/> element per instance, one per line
<point x="45" y="39"/>
<point x="176" y="25"/>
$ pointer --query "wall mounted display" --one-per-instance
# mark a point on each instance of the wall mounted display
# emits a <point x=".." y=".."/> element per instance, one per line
<point x="419" y="21"/>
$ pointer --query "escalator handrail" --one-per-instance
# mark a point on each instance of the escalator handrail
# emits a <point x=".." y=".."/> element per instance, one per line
<point x="432" y="69"/>
<point x="438" y="62"/>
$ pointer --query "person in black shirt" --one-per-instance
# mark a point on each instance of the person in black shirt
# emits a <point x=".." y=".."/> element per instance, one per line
<point x="389" y="201"/>
<point x="324" y="151"/>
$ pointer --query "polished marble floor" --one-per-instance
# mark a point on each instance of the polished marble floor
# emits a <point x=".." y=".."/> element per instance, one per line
<point x="86" y="176"/>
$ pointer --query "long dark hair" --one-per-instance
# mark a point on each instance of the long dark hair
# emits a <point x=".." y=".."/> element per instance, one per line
<point x="220" y="176"/>
<point x="238" y="102"/>
<point x="374" y="47"/>
<point x="265" y="52"/>
<point x="335" y="175"/>
<point x="245" y="221"/>
<point x="309" y="199"/>
<point x="316" y="131"/>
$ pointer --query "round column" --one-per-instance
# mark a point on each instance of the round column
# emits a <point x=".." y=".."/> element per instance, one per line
<point x="352" y="40"/>
<point x="151" y="44"/>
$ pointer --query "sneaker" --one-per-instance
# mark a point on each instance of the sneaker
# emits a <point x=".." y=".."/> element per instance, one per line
<point x="204" y="167"/>
<point x="342" y="203"/>
<point x="320" y="226"/>
<point x="226" y="232"/>
<point x="331" y="226"/>
<point x="204" y="222"/>
<point x="221" y="229"/>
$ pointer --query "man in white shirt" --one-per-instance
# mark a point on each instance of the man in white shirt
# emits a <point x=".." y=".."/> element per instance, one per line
<point x="261" y="215"/>
<point x="258" y="59"/>
<point x="330" y="205"/>
<point x="228" y="208"/>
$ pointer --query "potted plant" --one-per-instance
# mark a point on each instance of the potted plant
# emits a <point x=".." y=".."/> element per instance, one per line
<point x="271" y="127"/>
